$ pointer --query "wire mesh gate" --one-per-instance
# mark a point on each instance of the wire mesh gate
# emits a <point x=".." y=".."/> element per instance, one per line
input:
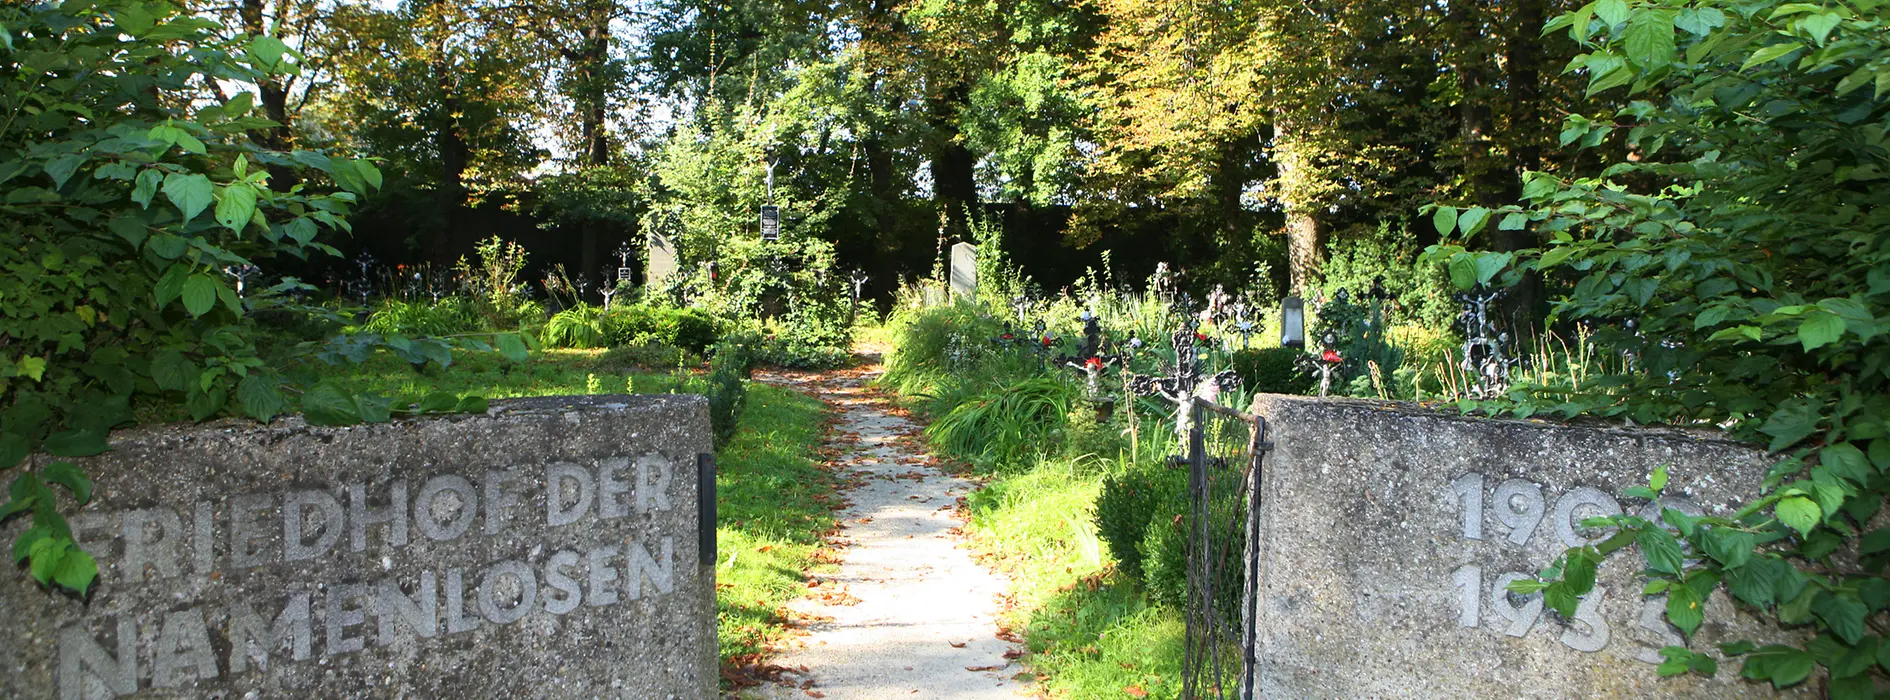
<point x="1224" y="452"/>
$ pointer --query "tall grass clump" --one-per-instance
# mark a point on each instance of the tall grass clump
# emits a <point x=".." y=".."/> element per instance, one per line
<point x="1009" y="425"/>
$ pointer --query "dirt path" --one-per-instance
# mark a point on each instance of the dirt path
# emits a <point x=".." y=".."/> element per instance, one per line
<point x="908" y="614"/>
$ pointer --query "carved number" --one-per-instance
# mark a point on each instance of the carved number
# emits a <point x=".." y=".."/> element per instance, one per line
<point x="1587" y="613"/>
<point x="1469" y="583"/>
<point x="1469" y="488"/>
<point x="1519" y="507"/>
<point x="1521" y="618"/>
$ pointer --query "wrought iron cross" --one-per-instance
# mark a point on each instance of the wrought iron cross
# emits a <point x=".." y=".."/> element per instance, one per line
<point x="1485" y="348"/>
<point x="1185" y="380"/>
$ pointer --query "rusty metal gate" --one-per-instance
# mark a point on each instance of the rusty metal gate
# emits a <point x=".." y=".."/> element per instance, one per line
<point x="1225" y="449"/>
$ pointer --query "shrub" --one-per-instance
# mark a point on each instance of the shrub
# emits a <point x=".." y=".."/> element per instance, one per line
<point x="1273" y="371"/>
<point x="1129" y="502"/>
<point x="729" y="369"/>
<point x="633" y="325"/>
<point x="127" y="195"/>
<point x="1164" y="552"/>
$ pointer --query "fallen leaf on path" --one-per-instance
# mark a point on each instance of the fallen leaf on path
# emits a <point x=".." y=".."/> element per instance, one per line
<point x="816" y="694"/>
<point x="1135" y="691"/>
<point x="1014" y="654"/>
<point x="957" y="645"/>
<point x="981" y="669"/>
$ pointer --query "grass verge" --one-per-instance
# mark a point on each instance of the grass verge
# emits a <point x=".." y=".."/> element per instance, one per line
<point x="771" y="496"/>
<point x="1090" y="632"/>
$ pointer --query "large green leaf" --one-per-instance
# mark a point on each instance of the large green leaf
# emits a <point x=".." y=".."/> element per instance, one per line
<point x="190" y="193"/>
<point x="1820" y="328"/>
<point x="1799" y="513"/>
<point x="1445" y="219"/>
<point x="1649" y="38"/>
<point x="1685" y="609"/>
<point x="260" y="395"/>
<point x="70" y="476"/>
<point x="172" y="371"/>
<point x="1791" y="422"/>
<point x="76" y="443"/>
<point x="199" y="294"/>
<point x="327" y="404"/>
<point x="236" y="204"/>
<point x="1661" y="550"/>
<point x="1842" y="614"/>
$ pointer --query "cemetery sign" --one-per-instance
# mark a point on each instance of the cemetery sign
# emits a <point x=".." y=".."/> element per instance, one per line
<point x="554" y="544"/>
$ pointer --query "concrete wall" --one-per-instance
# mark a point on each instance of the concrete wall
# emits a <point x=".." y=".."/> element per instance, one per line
<point x="547" y="549"/>
<point x="1378" y="581"/>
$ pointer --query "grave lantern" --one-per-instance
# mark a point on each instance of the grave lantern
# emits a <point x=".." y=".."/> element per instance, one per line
<point x="1293" y="323"/>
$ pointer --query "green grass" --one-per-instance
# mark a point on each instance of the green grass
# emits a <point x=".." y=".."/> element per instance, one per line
<point x="1091" y="632"/>
<point x="769" y="485"/>
<point x="770" y="515"/>
<point x="548" y="373"/>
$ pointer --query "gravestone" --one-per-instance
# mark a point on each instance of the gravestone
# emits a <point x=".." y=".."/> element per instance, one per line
<point x="1389" y="534"/>
<point x="964" y="277"/>
<point x="661" y="262"/>
<point x="553" y="547"/>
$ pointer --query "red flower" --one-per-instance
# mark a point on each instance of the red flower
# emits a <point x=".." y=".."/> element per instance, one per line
<point x="1046" y="341"/>
<point x="1006" y="336"/>
<point x="1200" y="337"/>
<point x="1093" y="363"/>
<point x="1330" y="356"/>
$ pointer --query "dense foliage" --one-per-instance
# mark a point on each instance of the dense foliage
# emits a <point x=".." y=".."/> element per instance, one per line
<point x="1746" y="234"/>
<point x="127" y="200"/>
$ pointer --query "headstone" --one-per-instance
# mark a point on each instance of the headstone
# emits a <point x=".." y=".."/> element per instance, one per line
<point x="549" y="548"/>
<point x="964" y="269"/>
<point x="661" y="263"/>
<point x="770" y="223"/>
<point x="1389" y="535"/>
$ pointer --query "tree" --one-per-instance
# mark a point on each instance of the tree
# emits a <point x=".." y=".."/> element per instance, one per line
<point x="448" y="102"/>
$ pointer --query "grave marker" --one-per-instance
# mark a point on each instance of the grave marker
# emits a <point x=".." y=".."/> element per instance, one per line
<point x="661" y="264"/>
<point x="550" y="548"/>
<point x="964" y="275"/>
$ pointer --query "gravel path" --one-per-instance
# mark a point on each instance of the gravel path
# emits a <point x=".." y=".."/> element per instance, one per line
<point x="908" y="614"/>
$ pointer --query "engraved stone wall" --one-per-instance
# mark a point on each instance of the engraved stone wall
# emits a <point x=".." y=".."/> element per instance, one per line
<point x="547" y="549"/>
<point x="1390" y="534"/>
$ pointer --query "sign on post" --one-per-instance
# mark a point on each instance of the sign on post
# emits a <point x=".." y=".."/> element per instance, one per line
<point x="770" y="223"/>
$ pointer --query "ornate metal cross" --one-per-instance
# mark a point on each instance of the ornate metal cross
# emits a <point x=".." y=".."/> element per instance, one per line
<point x="1185" y="380"/>
<point x="1485" y="347"/>
<point x="1089" y="358"/>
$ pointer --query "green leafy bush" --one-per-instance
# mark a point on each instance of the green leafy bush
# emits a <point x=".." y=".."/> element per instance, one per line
<point x="1750" y="239"/>
<point x="1130" y="501"/>
<point x="126" y="196"/>
<point x="730" y="365"/>
<point x="1272" y="371"/>
<point x="632" y="325"/>
<point x="1009" y="424"/>
<point x="581" y="326"/>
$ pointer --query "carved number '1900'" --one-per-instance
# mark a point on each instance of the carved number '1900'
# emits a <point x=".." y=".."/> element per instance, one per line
<point x="1520" y="507"/>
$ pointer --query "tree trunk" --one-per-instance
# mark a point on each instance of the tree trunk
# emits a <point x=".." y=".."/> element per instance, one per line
<point x="1481" y="178"/>
<point x="1527" y="301"/>
<point x="454" y="156"/>
<point x="273" y="97"/>
<point x="954" y="187"/>
<point x="1305" y="244"/>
